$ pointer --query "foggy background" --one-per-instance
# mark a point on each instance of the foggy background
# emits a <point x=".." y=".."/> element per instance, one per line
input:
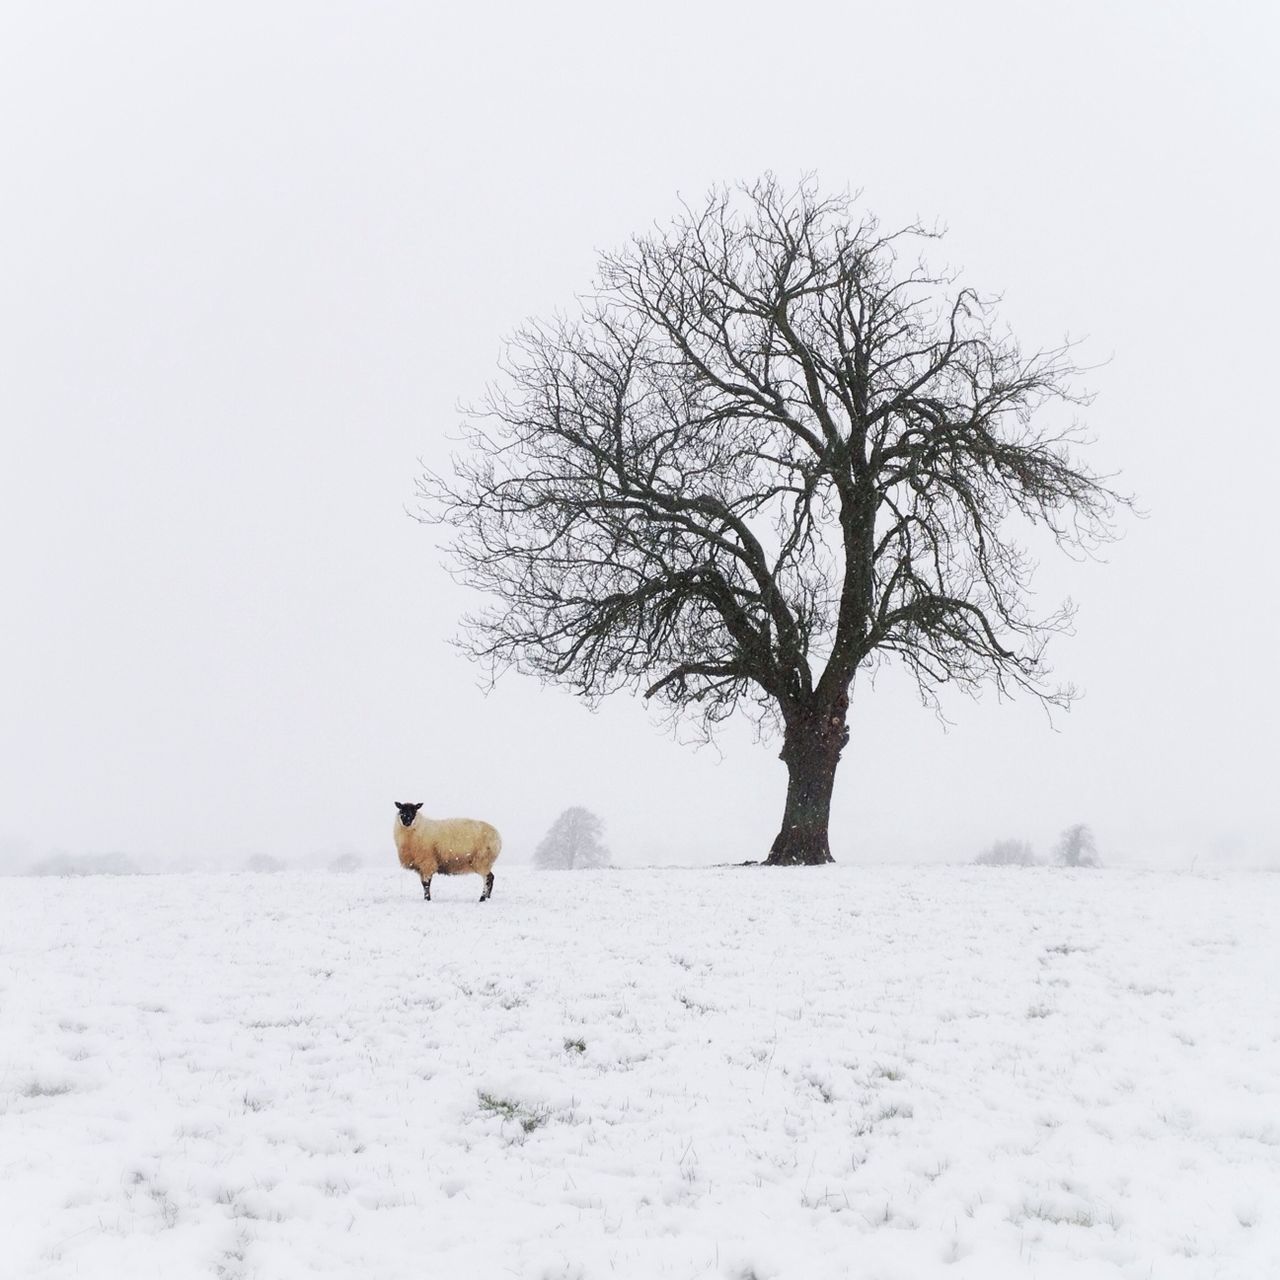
<point x="253" y="255"/>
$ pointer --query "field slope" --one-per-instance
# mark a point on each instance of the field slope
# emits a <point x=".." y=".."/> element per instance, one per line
<point x="840" y="1072"/>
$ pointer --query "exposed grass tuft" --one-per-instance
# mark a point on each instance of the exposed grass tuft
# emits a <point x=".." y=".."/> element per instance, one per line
<point x="694" y="1006"/>
<point x="528" y="1118"/>
<point x="46" y="1089"/>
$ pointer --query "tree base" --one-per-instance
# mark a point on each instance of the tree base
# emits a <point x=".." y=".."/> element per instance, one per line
<point x="800" y="853"/>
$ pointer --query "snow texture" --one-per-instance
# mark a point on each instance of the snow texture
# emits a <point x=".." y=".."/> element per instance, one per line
<point x="838" y="1072"/>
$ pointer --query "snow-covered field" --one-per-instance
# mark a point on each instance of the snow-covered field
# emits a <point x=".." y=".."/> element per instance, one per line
<point x="895" y="1073"/>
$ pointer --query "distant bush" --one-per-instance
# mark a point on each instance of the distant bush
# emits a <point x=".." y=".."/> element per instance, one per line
<point x="86" y="864"/>
<point x="346" y="862"/>
<point x="1008" y="853"/>
<point x="1077" y="848"/>
<point x="263" y="862"/>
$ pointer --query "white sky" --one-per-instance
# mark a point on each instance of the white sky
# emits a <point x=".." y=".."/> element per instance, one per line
<point x="252" y="256"/>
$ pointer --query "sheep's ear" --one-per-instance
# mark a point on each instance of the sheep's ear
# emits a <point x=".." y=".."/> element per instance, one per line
<point x="397" y="804"/>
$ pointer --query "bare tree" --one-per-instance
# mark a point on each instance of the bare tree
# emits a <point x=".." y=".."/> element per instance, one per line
<point x="772" y="450"/>
<point x="1077" y="847"/>
<point x="574" y="843"/>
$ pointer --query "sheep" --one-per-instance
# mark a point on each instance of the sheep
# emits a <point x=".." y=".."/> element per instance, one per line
<point x="450" y="846"/>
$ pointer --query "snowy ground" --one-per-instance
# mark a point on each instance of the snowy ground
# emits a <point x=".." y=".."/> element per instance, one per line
<point x="893" y="1073"/>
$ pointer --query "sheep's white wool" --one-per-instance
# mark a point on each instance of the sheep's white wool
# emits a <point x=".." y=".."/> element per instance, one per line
<point x="447" y="846"/>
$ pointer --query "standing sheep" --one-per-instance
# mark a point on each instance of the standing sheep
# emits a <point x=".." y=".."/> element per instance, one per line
<point x="450" y="846"/>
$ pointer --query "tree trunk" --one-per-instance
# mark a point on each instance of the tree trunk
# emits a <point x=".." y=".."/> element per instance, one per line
<point x="811" y="750"/>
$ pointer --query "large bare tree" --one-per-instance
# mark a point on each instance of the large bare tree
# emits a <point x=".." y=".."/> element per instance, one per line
<point x="771" y="449"/>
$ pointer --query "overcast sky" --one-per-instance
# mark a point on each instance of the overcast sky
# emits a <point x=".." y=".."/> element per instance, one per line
<point x="252" y="256"/>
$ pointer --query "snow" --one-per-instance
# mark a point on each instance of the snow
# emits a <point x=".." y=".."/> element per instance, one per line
<point x="890" y="1073"/>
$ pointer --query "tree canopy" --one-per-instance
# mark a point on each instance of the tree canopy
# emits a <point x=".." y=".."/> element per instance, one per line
<point x="1077" y="847"/>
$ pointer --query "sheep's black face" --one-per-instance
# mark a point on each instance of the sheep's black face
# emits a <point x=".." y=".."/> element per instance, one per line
<point x="407" y="812"/>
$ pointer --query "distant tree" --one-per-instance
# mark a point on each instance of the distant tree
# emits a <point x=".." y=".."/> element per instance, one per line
<point x="86" y="864"/>
<point x="346" y="862"/>
<point x="774" y="449"/>
<point x="263" y="862"/>
<point x="574" y="843"/>
<point x="1077" y="848"/>
<point x="1008" y="853"/>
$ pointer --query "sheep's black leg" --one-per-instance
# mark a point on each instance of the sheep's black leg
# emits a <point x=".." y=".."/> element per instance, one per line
<point x="488" y="886"/>
<point x="426" y="887"/>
